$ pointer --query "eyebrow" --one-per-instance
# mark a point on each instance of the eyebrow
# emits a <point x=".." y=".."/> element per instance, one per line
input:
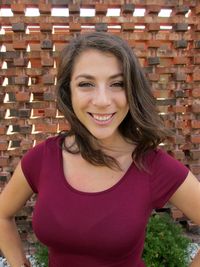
<point x="88" y="76"/>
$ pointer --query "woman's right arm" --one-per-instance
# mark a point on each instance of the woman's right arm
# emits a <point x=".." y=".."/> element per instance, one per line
<point x="12" y="199"/>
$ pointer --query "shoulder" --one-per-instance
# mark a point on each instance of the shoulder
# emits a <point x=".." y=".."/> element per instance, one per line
<point x="45" y="147"/>
<point x="49" y="143"/>
<point x="159" y="160"/>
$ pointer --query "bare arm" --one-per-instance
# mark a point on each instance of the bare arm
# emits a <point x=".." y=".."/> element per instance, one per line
<point x="187" y="199"/>
<point x="12" y="199"/>
<point x="196" y="261"/>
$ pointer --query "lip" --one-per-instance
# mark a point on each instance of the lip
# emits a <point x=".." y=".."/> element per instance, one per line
<point x="102" y="122"/>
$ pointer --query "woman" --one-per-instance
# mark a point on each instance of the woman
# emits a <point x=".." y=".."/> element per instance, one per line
<point x="98" y="182"/>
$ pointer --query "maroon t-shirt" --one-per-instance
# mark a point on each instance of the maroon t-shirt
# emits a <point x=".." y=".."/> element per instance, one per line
<point x="99" y="229"/>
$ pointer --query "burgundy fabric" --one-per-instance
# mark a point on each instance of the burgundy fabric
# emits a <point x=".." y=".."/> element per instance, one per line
<point x="102" y="229"/>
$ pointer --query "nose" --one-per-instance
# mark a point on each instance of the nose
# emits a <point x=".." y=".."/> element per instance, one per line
<point x="102" y="96"/>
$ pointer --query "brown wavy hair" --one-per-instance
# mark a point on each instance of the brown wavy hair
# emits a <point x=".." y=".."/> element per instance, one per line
<point x="142" y="126"/>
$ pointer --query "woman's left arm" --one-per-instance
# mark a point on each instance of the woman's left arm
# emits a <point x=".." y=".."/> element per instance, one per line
<point x="187" y="199"/>
<point x="196" y="261"/>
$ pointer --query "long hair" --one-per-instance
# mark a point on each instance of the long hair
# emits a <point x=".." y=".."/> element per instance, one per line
<point x="142" y="126"/>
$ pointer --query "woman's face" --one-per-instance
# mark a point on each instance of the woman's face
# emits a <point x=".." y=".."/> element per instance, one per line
<point x="98" y="94"/>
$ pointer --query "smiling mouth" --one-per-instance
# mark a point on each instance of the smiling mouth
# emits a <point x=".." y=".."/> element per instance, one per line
<point x="102" y="117"/>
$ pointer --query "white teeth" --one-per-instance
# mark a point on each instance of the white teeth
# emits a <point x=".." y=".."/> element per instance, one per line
<point x="101" y="118"/>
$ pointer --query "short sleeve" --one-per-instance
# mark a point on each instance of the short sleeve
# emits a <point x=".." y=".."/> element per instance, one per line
<point x="167" y="174"/>
<point x="31" y="164"/>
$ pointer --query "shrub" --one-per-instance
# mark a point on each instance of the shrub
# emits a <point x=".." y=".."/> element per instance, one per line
<point x="41" y="255"/>
<point x="165" y="245"/>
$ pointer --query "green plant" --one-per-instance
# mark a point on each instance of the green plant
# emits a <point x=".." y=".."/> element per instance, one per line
<point x="41" y="255"/>
<point x="165" y="245"/>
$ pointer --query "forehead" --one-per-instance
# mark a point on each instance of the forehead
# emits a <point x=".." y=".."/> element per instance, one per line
<point x="94" y="60"/>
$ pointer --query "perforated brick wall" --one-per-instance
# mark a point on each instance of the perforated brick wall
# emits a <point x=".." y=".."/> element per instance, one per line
<point x="165" y="35"/>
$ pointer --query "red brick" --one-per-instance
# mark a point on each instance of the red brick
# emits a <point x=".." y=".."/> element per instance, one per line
<point x="48" y="79"/>
<point x="196" y="60"/>
<point x="48" y="96"/>
<point x="21" y="80"/>
<point x="161" y="93"/>
<point x="153" y="9"/>
<point x="25" y="129"/>
<point x="195" y="124"/>
<point x="20" y="45"/>
<point x="47" y="61"/>
<point x="180" y="76"/>
<point x="182" y="124"/>
<point x="195" y="139"/>
<point x="180" y="60"/>
<point x="22" y="96"/>
<point x="195" y="154"/>
<point x="20" y="62"/>
<point x="45" y="8"/>
<point x="197" y="9"/>
<point x="154" y="43"/>
<point x="153" y="76"/>
<point x="3" y="145"/>
<point x="178" y="139"/>
<point x="196" y="76"/>
<point x="33" y="72"/>
<point x="179" y="109"/>
<point x="163" y="109"/>
<point x="101" y="9"/>
<point x="18" y="8"/>
<point x="63" y="126"/>
<point x="4" y="161"/>
<point x="128" y="26"/>
<point x="196" y="108"/>
<point x="179" y="154"/>
<point x="45" y="27"/>
<point x="26" y="144"/>
<point x="197" y="28"/>
<point x="153" y="27"/>
<point x="3" y="129"/>
<point x="74" y="9"/>
<point x="46" y="128"/>
<point x="74" y="26"/>
<point x="196" y="92"/>
<point x="38" y="112"/>
<point x="50" y="112"/>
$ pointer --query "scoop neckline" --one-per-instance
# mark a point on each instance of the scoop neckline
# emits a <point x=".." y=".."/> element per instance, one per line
<point x="67" y="184"/>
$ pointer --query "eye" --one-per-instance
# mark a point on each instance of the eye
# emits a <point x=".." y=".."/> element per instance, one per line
<point x="85" y="84"/>
<point x="118" y="84"/>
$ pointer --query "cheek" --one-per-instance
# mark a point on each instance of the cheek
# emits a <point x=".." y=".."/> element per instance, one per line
<point x="123" y="101"/>
<point x="79" y="101"/>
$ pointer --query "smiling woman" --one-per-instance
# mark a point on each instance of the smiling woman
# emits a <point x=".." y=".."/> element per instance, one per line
<point x="106" y="76"/>
<point x="98" y="182"/>
<point x="98" y="95"/>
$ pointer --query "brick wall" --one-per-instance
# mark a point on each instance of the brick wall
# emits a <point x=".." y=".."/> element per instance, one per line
<point x="168" y="48"/>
